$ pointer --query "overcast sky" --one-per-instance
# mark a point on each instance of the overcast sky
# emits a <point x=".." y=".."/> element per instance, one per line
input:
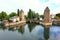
<point x="36" y="5"/>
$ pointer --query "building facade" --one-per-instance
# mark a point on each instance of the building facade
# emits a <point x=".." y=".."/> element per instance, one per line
<point x="47" y="15"/>
<point x="14" y="19"/>
<point x="21" y="15"/>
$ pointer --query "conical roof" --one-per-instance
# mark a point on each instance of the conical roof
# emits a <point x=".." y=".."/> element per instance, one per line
<point x="21" y="10"/>
<point x="47" y="8"/>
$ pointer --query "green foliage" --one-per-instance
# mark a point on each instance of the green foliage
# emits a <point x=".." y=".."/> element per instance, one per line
<point x="31" y="26"/>
<point x="18" y="12"/>
<point x="32" y="14"/>
<point x="57" y="17"/>
<point x="37" y="15"/>
<point x="12" y="14"/>
<point x="3" y="15"/>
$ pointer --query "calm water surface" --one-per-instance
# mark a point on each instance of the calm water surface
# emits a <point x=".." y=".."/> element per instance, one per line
<point x="30" y="32"/>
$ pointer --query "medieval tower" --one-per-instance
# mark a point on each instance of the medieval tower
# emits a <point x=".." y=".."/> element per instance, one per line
<point x="46" y="15"/>
<point x="47" y="18"/>
<point x="21" y="15"/>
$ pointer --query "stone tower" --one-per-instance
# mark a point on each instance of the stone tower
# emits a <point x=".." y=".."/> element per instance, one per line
<point x="47" y="15"/>
<point x="21" y="15"/>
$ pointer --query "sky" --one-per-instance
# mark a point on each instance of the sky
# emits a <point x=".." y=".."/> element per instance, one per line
<point x="36" y="5"/>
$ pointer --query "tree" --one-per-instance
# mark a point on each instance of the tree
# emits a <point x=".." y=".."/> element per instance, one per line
<point x="3" y="15"/>
<point x="57" y="16"/>
<point x="37" y="15"/>
<point x="18" y="12"/>
<point x="12" y="14"/>
<point x="30" y="14"/>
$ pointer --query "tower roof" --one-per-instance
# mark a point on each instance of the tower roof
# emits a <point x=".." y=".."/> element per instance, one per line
<point x="21" y="10"/>
<point x="47" y="8"/>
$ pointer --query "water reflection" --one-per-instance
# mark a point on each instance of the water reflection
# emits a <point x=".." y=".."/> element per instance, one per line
<point x="30" y="31"/>
<point x="31" y="26"/>
<point x="2" y="27"/>
<point x="21" y="29"/>
<point x="46" y="32"/>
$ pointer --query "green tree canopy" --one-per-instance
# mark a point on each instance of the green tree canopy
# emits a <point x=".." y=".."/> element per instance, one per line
<point x="32" y="14"/>
<point x="3" y="15"/>
<point x="18" y="12"/>
<point x="37" y="15"/>
<point x="57" y="16"/>
<point x="12" y="14"/>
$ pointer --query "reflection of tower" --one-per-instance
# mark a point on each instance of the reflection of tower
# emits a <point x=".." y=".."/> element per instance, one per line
<point x="46" y="15"/>
<point x="46" y="33"/>
<point x="21" y="29"/>
<point x="21" y="15"/>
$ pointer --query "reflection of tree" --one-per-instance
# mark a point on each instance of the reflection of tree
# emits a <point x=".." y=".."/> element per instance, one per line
<point x="2" y="27"/>
<point x="46" y="32"/>
<point x="31" y="26"/>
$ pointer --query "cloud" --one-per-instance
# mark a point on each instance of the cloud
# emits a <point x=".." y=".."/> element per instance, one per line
<point x="36" y="5"/>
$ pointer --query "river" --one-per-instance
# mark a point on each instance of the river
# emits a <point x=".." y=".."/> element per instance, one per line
<point x="30" y="31"/>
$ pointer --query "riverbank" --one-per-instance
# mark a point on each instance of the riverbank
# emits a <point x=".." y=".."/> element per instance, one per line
<point x="56" y="23"/>
<point x="14" y="23"/>
<point x="30" y="21"/>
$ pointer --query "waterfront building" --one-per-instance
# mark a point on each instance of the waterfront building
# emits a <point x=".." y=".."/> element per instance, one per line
<point x="18" y="18"/>
<point x="46" y="15"/>
<point x="47" y="18"/>
<point x="21" y="15"/>
<point x="14" y="19"/>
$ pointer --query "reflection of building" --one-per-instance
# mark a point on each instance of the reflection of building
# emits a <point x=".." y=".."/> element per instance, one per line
<point x="21" y="29"/>
<point x="46" y="33"/>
